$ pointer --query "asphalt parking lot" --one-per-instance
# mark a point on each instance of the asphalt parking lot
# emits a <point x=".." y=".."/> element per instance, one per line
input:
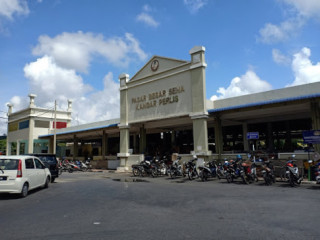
<point x="108" y="205"/>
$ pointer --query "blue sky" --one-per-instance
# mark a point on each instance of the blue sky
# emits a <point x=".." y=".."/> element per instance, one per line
<point x="76" y="49"/>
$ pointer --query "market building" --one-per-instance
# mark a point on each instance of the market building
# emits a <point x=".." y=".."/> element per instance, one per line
<point x="164" y="110"/>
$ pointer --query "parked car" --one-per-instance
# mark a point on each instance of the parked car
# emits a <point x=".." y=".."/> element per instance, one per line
<point x="19" y="174"/>
<point x="51" y="162"/>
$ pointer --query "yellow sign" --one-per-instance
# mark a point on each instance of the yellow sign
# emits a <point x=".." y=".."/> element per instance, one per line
<point x="13" y="127"/>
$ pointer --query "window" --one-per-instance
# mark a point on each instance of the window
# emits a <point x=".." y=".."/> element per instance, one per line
<point x="38" y="164"/>
<point x="9" y="164"/>
<point x="29" y="163"/>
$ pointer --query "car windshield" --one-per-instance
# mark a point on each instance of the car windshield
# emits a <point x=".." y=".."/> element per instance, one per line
<point x="9" y="164"/>
<point x="48" y="159"/>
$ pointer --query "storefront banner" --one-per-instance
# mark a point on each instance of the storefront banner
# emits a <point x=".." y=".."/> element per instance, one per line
<point x="312" y="136"/>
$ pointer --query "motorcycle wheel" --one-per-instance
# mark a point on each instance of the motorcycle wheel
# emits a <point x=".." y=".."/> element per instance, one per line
<point x="244" y="179"/>
<point x="291" y="180"/>
<point x="135" y="172"/>
<point x="229" y="178"/>
<point x="153" y="172"/>
<point x="172" y="174"/>
<point x="190" y="175"/>
<point x="203" y="176"/>
<point x="70" y="170"/>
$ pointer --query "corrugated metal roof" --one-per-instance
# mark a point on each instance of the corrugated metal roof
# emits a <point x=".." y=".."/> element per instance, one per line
<point x="264" y="103"/>
<point x="81" y="130"/>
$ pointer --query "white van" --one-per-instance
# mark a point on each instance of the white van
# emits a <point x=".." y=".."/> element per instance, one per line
<point x="19" y="174"/>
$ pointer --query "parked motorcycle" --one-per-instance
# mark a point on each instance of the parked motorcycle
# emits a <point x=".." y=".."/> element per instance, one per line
<point x="317" y="173"/>
<point x="176" y="169"/>
<point x="268" y="173"/>
<point x="250" y="170"/>
<point x="161" y="167"/>
<point x="145" y="168"/>
<point x="235" y="170"/>
<point x="292" y="172"/>
<point x="208" y="171"/>
<point x="191" y="168"/>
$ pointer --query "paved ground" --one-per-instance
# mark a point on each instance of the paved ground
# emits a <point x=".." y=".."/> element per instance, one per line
<point x="106" y="205"/>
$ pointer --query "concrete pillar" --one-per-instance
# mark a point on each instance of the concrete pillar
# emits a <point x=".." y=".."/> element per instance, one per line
<point x="173" y="138"/>
<point x="134" y="143"/>
<point x="199" y="113"/>
<point x="69" y="105"/>
<point x="245" y="140"/>
<point x="103" y="145"/>
<point x="18" y="147"/>
<point x="50" y="145"/>
<point x="8" y="148"/>
<point x="218" y="136"/>
<point x="287" y="143"/>
<point x="32" y="97"/>
<point x="75" y="147"/>
<point x="143" y="140"/>
<point x="124" y="126"/>
<point x="200" y="135"/>
<point x="30" y="137"/>
<point x="270" y="137"/>
<point x="315" y="118"/>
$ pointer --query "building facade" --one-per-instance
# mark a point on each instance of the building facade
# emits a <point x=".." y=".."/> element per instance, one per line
<point x="25" y="127"/>
<point x="164" y="110"/>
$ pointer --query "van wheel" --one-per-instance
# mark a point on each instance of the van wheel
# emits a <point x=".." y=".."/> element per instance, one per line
<point x="46" y="185"/>
<point x="24" y="191"/>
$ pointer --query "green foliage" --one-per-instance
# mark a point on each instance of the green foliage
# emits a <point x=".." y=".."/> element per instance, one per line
<point x="3" y="145"/>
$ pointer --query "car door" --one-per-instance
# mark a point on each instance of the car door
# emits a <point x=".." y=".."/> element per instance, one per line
<point x="30" y="172"/>
<point x="40" y="172"/>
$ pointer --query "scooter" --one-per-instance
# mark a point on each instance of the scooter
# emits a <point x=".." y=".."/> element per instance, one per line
<point x="209" y="171"/>
<point x="317" y="173"/>
<point x="234" y="171"/>
<point x="268" y="173"/>
<point x="176" y="169"/>
<point x="292" y="172"/>
<point x="191" y="168"/>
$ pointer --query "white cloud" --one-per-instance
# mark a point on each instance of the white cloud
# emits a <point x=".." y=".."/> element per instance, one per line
<point x="272" y="33"/>
<point x="100" y="105"/>
<point x="194" y="5"/>
<point x="75" y="50"/>
<point x="146" y="8"/>
<point x="246" y="84"/>
<point x="51" y="82"/>
<point x="301" y="12"/>
<point x="307" y="8"/>
<point x="8" y="8"/>
<point x="304" y="70"/>
<point x="146" y="18"/>
<point x="279" y="58"/>
<point x="55" y="74"/>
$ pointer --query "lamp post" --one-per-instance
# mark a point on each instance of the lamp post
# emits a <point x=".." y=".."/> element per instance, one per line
<point x="55" y="127"/>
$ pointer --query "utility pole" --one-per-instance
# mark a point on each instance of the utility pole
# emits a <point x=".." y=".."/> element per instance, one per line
<point x="55" y="127"/>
